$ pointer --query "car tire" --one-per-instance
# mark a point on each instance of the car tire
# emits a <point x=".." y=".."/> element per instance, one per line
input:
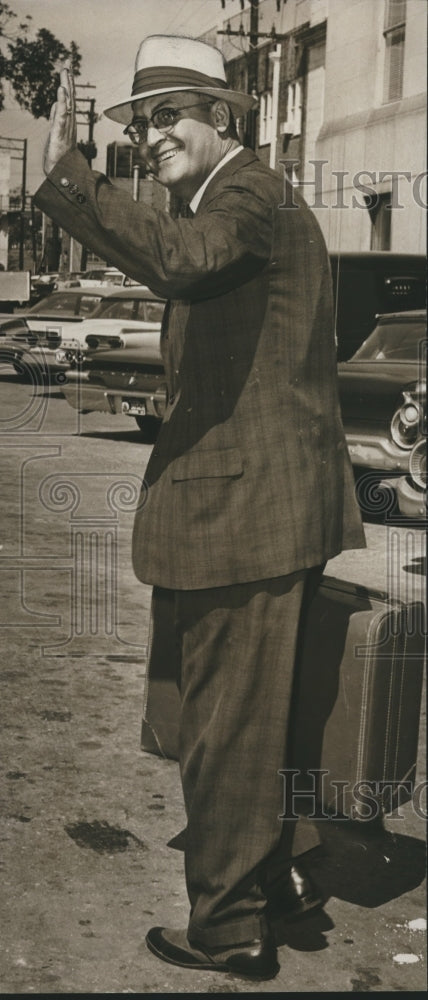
<point x="149" y="427"/>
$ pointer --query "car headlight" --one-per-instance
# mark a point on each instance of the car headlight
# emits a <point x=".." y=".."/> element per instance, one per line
<point x="406" y="423"/>
<point x="418" y="464"/>
<point x="60" y="357"/>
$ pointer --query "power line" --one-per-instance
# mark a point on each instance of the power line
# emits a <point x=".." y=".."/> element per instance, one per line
<point x="193" y="13"/>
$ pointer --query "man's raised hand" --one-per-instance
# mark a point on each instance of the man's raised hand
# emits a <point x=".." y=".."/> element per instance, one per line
<point x="62" y="133"/>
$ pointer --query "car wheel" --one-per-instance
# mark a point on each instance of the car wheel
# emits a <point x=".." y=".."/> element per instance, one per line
<point x="149" y="427"/>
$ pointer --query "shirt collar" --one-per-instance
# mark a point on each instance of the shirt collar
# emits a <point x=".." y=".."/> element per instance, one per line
<point x="194" y="203"/>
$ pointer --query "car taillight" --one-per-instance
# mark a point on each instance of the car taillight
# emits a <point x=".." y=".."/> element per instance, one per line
<point x="406" y="423"/>
<point x="418" y="463"/>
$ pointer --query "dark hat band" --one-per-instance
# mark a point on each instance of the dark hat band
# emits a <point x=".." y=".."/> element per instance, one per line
<point x="163" y="77"/>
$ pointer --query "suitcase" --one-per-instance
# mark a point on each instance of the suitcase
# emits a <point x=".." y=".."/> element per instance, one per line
<point x="356" y="702"/>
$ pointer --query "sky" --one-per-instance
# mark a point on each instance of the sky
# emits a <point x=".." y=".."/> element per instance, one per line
<point x="108" y="34"/>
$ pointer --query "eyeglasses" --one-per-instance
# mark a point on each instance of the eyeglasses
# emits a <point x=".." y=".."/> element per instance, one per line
<point x="163" y="120"/>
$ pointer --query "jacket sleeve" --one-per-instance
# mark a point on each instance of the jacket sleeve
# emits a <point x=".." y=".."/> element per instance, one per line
<point x="223" y="246"/>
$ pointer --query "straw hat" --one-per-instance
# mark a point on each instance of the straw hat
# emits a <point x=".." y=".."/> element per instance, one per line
<point x="168" y="63"/>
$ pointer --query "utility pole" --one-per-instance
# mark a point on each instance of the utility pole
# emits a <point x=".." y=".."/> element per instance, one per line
<point x="88" y="148"/>
<point x="23" y="190"/>
<point x="33" y="236"/>
<point x="252" y="63"/>
<point x="253" y="72"/>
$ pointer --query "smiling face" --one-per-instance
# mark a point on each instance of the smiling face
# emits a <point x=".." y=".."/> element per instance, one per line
<point x="183" y="157"/>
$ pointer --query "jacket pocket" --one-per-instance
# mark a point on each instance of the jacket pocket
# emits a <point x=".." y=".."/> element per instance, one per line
<point x="208" y="465"/>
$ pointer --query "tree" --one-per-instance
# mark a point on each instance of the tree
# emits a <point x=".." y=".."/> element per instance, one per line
<point x="31" y="64"/>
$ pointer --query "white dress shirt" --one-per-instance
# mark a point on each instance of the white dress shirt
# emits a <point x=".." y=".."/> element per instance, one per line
<point x="193" y="204"/>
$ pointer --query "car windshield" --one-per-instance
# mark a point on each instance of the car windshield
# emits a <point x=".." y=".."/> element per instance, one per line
<point x="394" y="341"/>
<point x="67" y="302"/>
<point x="57" y="302"/>
<point x="147" y="310"/>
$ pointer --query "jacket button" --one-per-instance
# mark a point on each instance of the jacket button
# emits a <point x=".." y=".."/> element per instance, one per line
<point x="65" y="183"/>
<point x="74" y="189"/>
<point x="81" y="198"/>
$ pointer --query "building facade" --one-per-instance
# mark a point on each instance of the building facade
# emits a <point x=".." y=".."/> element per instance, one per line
<point x="374" y="128"/>
<point x="341" y="88"/>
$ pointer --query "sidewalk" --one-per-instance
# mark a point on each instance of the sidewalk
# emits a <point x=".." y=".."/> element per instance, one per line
<point x="87" y="818"/>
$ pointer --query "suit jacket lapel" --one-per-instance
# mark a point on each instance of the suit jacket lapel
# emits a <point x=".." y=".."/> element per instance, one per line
<point x="241" y="159"/>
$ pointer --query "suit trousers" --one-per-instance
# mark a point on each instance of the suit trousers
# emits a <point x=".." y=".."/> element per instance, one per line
<point x="235" y="651"/>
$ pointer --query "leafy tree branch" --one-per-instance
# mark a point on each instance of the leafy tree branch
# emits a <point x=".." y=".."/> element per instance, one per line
<point x="30" y="64"/>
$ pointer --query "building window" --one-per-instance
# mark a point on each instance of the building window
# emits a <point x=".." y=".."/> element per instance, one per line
<point x="265" y="132"/>
<point x="379" y="207"/>
<point x="394" y="34"/>
<point x="293" y="124"/>
<point x="122" y="157"/>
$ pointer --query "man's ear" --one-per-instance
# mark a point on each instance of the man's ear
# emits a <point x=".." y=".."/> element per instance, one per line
<point x="220" y="115"/>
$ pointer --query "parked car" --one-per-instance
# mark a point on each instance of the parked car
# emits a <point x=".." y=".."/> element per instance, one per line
<point x="42" y="285"/>
<point x="368" y="283"/>
<point x="411" y="490"/>
<point x="383" y="401"/>
<point x="15" y="339"/>
<point x="365" y="283"/>
<point x="121" y="316"/>
<point x="45" y="322"/>
<point x="128" y="379"/>
<point x="382" y="392"/>
<point x="65" y="306"/>
<point x="106" y="276"/>
<point x="68" y="279"/>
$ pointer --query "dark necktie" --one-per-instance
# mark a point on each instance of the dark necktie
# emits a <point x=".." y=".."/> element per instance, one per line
<point x="186" y="212"/>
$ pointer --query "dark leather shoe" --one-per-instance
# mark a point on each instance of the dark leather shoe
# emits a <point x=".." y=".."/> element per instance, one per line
<point x="255" y="959"/>
<point x="294" y="896"/>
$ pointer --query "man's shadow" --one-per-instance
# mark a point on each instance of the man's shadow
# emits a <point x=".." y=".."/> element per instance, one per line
<point x="359" y="863"/>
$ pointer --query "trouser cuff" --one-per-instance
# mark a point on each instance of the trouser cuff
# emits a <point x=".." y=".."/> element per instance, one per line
<point x="232" y="933"/>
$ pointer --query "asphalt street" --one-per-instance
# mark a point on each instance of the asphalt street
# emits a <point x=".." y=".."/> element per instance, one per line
<point x="87" y="818"/>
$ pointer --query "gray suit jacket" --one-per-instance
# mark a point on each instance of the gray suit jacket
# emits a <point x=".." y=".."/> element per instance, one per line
<point x="250" y="476"/>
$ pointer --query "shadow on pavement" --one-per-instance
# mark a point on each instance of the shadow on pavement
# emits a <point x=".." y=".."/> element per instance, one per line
<point x="133" y="435"/>
<point x="366" y="866"/>
<point x="363" y="867"/>
<point x="304" y="935"/>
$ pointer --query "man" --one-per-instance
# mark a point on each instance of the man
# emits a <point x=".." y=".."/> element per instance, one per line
<point x="249" y="487"/>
